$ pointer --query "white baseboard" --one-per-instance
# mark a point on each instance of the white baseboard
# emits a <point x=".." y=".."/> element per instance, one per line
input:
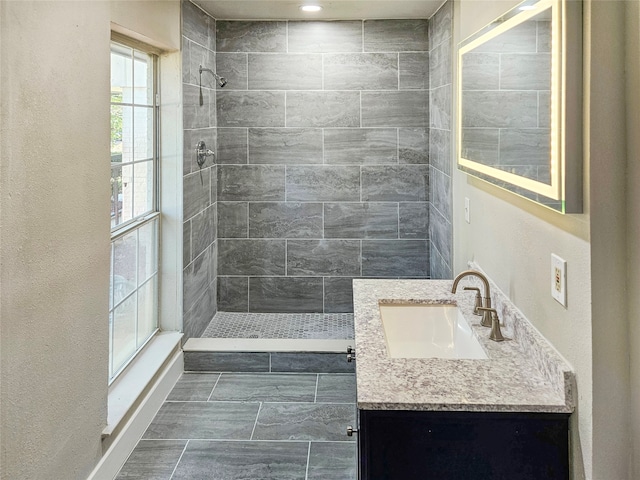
<point x="134" y="428"/>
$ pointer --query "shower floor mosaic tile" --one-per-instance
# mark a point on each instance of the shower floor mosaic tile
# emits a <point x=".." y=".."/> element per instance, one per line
<point x="281" y="325"/>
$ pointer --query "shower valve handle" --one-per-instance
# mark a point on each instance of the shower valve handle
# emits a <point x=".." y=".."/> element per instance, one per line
<point x="202" y="152"/>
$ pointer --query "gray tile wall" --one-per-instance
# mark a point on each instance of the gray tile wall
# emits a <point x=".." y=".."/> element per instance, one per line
<point x="323" y="160"/>
<point x="440" y="123"/>
<point x="199" y="184"/>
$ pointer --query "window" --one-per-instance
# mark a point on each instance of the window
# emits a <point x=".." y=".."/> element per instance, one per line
<point x="133" y="304"/>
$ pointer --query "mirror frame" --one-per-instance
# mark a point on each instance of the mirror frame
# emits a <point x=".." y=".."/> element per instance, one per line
<point x="566" y="159"/>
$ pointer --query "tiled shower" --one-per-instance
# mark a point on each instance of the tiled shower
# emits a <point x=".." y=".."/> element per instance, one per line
<point x="332" y="161"/>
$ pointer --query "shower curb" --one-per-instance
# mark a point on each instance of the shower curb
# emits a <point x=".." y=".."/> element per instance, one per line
<point x="266" y="355"/>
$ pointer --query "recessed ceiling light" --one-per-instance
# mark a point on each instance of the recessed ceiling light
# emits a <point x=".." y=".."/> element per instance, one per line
<point x="310" y="8"/>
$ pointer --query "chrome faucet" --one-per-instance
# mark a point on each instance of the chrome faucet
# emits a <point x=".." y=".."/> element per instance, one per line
<point x="486" y="314"/>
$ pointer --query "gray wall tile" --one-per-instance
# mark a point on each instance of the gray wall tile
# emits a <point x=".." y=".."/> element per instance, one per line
<point x="233" y="294"/>
<point x="195" y="24"/>
<point x="414" y="71"/>
<point x="361" y="220"/>
<point x="544" y="109"/>
<point x="191" y="138"/>
<point x="440" y="25"/>
<point x="544" y="35"/>
<point x="186" y="68"/>
<point x="440" y="107"/>
<point x="361" y="71"/>
<point x="338" y="295"/>
<point x="395" y="258"/>
<point x="440" y="155"/>
<point x="395" y="109"/>
<point x="233" y="219"/>
<point x="440" y="72"/>
<point x="323" y="109"/>
<point x="285" y="71"/>
<point x="233" y="67"/>
<point x="414" y="220"/>
<point x="311" y="363"/>
<point x="285" y="294"/>
<point x="440" y="269"/>
<point x="321" y="37"/>
<point x="440" y="192"/>
<point x="251" y="257"/>
<point x="203" y="230"/>
<point x="323" y="184"/>
<point x="323" y="257"/>
<point x="285" y="220"/>
<point x="196" y="280"/>
<point x="232" y="146"/>
<point x="440" y="232"/>
<point x="199" y="55"/>
<point x="197" y="318"/>
<point x="404" y="183"/>
<point x="285" y="145"/>
<point x="226" y="362"/>
<point x="360" y="146"/>
<point x="251" y="182"/>
<point x="195" y="115"/>
<point x="250" y="109"/>
<point x="240" y="36"/>
<point x="413" y="145"/>
<point x="396" y="35"/>
<point x="196" y="193"/>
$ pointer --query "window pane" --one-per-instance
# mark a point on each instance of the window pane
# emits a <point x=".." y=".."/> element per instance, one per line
<point x="127" y="143"/>
<point x="110" y="344"/>
<point x="147" y="310"/>
<point x="143" y="131"/>
<point x="111" y="282"/>
<point x="147" y="251"/>
<point x="128" y="192"/>
<point x="121" y="74"/>
<point x="143" y="79"/>
<point x="116" y="196"/>
<point x="143" y="188"/>
<point x="116" y="133"/>
<point x="124" y="266"/>
<point x="124" y="332"/>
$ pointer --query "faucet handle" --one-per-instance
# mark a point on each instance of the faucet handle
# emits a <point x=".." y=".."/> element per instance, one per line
<point x="478" y="303"/>
<point x="496" y="334"/>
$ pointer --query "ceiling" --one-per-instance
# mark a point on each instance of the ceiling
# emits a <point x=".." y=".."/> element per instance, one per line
<point x="333" y="9"/>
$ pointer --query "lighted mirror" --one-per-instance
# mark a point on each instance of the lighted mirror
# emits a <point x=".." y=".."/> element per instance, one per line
<point x="519" y="97"/>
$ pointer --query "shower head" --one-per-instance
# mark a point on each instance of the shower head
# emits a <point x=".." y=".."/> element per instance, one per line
<point x="221" y="80"/>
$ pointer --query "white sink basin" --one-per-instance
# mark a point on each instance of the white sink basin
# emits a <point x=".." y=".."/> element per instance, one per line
<point x="428" y="331"/>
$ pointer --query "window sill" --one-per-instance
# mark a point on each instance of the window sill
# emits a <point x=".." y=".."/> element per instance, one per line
<point x="129" y="388"/>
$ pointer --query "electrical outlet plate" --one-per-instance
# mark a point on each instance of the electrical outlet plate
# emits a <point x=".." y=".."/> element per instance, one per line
<point x="559" y="279"/>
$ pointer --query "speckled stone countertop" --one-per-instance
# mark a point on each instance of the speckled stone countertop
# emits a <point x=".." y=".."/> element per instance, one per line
<point x="523" y="374"/>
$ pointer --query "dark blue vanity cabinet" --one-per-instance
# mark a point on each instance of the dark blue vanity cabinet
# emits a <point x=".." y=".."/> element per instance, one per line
<point x="436" y="445"/>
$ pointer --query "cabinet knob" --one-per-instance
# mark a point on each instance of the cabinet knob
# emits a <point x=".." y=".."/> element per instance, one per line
<point x="351" y="431"/>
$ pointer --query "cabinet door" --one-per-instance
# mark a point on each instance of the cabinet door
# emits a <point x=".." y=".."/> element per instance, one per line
<point x="454" y="446"/>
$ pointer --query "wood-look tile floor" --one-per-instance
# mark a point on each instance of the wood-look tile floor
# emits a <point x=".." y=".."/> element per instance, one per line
<point x="264" y="426"/>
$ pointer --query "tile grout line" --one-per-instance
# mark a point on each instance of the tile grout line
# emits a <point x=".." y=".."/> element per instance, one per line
<point x="315" y="396"/>
<point x="256" y="422"/>
<point x="178" y="462"/>
<point x="306" y="474"/>
<point x="214" y="387"/>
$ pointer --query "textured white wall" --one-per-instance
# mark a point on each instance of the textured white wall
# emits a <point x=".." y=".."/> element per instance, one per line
<point x="633" y="217"/>
<point x="55" y="236"/>
<point x="54" y="226"/>
<point x="512" y="240"/>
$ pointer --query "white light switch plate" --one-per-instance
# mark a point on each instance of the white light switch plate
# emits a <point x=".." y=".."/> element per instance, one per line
<point x="559" y="279"/>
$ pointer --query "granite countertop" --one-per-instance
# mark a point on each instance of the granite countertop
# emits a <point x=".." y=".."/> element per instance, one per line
<point x="522" y="374"/>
